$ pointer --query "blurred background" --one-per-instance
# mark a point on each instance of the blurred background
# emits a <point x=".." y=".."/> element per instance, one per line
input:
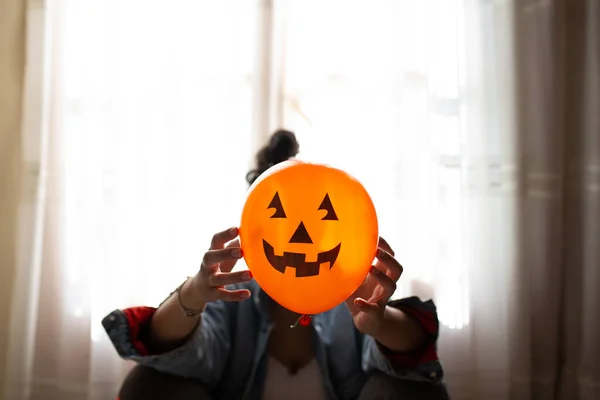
<point x="127" y="128"/>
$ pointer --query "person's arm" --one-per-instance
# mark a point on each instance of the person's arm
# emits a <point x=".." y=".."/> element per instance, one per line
<point x="202" y="356"/>
<point x="170" y="325"/>
<point x="171" y="341"/>
<point x="407" y="344"/>
<point x="399" y="331"/>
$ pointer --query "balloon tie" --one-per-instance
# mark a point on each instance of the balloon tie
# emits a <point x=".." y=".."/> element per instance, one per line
<point x="304" y="320"/>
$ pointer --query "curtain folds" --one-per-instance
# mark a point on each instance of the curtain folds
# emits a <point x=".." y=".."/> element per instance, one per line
<point x="473" y="124"/>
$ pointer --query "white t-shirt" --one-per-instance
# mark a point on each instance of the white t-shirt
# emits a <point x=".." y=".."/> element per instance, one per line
<point x="307" y="383"/>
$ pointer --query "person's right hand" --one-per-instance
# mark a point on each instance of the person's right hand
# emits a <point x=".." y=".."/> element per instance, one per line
<point x="215" y="271"/>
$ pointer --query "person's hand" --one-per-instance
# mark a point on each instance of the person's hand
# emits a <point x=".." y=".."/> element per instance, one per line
<point x="367" y="304"/>
<point x="215" y="272"/>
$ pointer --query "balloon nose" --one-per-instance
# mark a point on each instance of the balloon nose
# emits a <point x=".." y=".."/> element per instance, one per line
<point x="301" y="235"/>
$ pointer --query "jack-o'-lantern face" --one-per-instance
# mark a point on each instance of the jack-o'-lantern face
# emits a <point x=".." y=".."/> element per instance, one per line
<point x="309" y="235"/>
<point x="298" y="261"/>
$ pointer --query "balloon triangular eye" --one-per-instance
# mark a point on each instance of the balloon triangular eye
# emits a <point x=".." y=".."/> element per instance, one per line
<point x="326" y="205"/>
<point x="276" y="204"/>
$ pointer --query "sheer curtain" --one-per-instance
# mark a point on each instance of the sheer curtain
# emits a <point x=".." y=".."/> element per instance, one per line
<point x="144" y="116"/>
<point x="470" y="123"/>
<point x="149" y="130"/>
<point x="407" y="96"/>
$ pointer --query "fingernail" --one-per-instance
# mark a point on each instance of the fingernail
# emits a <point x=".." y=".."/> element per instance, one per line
<point x="247" y="276"/>
<point x="246" y="295"/>
<point x="237" y="252"/>
<point x="233" y="231"/>
<point x="374" y="270"/>
<point x="250" y="274"/>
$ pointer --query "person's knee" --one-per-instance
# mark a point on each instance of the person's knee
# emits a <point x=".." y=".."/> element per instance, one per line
<point x="148" y="384"/>
<point x="380" y="386"/>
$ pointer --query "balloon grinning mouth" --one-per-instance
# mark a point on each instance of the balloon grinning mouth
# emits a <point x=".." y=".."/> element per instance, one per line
<point x="298" y="260"/>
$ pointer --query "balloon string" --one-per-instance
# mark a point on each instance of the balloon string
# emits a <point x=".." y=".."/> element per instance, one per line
<point x="304" y="320"/>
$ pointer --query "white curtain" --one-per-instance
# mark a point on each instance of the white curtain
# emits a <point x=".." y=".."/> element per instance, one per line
<point x="144" y="117"/>
<point x="408" y="96"/>
<point x="147" y="129"/>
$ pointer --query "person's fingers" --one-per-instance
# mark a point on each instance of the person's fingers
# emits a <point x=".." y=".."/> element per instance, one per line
<point x="389" y="263"/>
<point x="229" y="278"/>
<point x="227" y="266"/>
<point x="233" y="295"/>
<point x="212" y="258"/>
<point x="233" y="243"/>
<point x="219" y="239"/>
<point x="386" y="246"/>
<point x="365" y="306"/>
<point x="388" y="285"/>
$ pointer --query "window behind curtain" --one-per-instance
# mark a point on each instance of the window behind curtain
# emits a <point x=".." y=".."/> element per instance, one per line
<point x="375" y="87"/>
<point x="156" y="119"/>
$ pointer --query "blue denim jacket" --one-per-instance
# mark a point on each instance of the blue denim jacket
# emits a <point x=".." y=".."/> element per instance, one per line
<point x="228" y="354"/>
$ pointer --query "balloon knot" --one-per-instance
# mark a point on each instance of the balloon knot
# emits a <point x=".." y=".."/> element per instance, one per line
<point x="304" y="320"/>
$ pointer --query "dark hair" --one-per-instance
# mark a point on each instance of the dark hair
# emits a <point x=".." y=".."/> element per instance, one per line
<point x="281" y="147"/>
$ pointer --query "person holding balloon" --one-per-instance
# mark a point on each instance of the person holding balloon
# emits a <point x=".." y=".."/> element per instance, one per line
<point x="311" y="318"/>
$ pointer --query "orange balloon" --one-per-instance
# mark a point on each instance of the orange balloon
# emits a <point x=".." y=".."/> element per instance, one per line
<point x="309" y="235"/>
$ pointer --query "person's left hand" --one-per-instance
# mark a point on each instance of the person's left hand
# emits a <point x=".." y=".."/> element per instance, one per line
<point x="367" y="304"/>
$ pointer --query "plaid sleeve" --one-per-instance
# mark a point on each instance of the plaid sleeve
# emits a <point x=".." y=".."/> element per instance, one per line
<point x="128" y="330"/>
<point x="138" y="322"/>
<point x="202" y="356"/>
<point x="426" y="356"/>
